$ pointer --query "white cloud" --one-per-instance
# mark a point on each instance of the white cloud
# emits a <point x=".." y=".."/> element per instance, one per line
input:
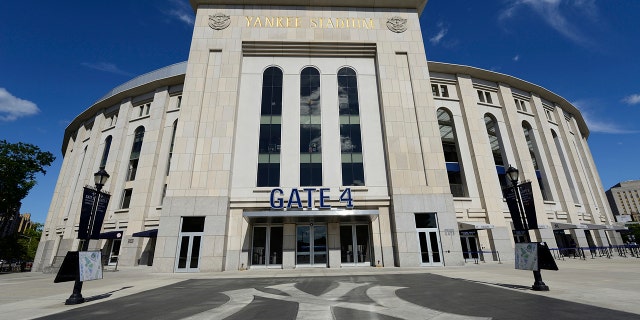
<point x="553" y="14"/>
<point x="516" y="58"/>
<point x="12" y="108"/>
<point x="441" y="33"/>
<point x="180" y="10"/>
<point x="597" y="124"/>
<point x="106" y="67"/>
<point x="632" y="99"/>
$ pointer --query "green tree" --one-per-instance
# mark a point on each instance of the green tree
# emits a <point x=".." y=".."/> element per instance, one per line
<point x="19" y="164"/>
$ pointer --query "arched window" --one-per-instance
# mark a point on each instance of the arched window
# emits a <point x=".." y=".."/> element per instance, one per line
<point x="105" y="152"/>
<point x="528" y="135"/>
<point x="496" y="147"/>
<point x="451" y="156"/>
<point x="135" y="153"/>
<point x="270" y="128"/>
<point x="565" y="167"/>
<point x="173" y="138"/>
<point x="350" y="135"/>
<point x="310" y="128"/>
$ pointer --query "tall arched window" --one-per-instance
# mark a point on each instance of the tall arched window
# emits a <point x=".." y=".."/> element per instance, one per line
<point x="528" y="135"/>
<point x="173" y="138"/>
<point x="310" y="128"/>
<point x="105" y="152"/>
<point x="135" y="153"/>
<point x="270" y="128"/>
<point x="565" y="167"/>
<point x="496" y="147"/>
<point x="451" y="155"/>
<point x="350" y="135"/>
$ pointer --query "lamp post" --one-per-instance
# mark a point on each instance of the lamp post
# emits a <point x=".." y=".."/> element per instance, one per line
<point x="100" y="178"/>
<point x="513" y="175"/>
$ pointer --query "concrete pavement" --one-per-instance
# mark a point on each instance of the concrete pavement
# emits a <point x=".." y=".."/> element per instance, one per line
<point x="607" y="283"/>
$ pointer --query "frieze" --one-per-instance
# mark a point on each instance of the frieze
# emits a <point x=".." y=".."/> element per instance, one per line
<point x="219" y="21"/>
<point x="397" y="24"/>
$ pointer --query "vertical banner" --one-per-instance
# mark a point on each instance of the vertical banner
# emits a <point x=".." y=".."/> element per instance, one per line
<point x="85" y="212"/>
<point x="101" y="210"/>
<point x="514" y="210"/>
<point x="526" y="195"/>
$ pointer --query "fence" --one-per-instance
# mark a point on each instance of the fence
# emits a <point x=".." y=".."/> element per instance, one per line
<point x="479" y="255"/>
<point x="596" y="252"/>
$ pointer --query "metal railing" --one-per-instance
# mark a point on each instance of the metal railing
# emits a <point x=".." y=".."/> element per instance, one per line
<point x="596" y="252"/>
<point x="479" y="256"/>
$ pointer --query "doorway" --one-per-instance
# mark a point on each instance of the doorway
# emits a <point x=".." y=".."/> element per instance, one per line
<point x="266" y="248"/>
<point x="428" y="239"/>
<point x="311" y="245"/>
<point x="355" y="248"/>
<point x="189" y="244"/>
<point x="114" y="252"/>
<point x="469" y="242"/>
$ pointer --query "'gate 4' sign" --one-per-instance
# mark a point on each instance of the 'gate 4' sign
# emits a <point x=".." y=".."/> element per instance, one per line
<point x="307" y="195"/>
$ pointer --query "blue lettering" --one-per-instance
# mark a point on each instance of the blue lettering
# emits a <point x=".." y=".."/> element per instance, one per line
<point x="346" y="197"/>
<point x="309" y="197"/>
<point x="324" y="197"/>
<point x="280" y="204"/>
<point x="296" y="194"/>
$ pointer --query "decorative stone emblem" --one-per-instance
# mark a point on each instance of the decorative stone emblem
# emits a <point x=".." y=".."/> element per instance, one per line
<point x="397" y="24"/>
<point x="219" y="21"/>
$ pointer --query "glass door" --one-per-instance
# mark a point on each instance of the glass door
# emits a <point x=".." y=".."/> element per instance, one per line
<point x="428" y="239"/>
<point x="189" y="244"/>
<point x="469" y="245"/>
<point x="355" y="245"/>
<point x="311" y="245"/>
<point x="266" y="249"/>
<point x="114" y="252"/>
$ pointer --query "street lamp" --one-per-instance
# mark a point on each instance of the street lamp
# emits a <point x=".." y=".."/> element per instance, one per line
<point x="513" y="175"/>
<point x="100" y="178"/>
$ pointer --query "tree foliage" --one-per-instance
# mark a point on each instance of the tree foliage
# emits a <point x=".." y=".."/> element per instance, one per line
<point x="19" y="164"/>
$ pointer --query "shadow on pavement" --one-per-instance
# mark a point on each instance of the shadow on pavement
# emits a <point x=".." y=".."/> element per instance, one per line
<point x="104" y="295"/>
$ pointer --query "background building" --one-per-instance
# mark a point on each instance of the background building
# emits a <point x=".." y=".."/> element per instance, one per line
<point x="624" y="199"/>
<point x="298" y="136"/>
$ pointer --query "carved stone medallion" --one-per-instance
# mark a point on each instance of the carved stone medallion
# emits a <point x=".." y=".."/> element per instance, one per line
<point x="397" y="24"/>
<point x="219" y="21"/>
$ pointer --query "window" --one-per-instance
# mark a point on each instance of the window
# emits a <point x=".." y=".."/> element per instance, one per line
<point x="520" y="105"/>
<point x="440" y="90"/>
<point x="143" y="109"/>
<point x="496" y="148"/>
<point x="549" y="114"/>
<point x="105" y="152"/>
<point x="173" y="138"/>
<point x="485" y="96"/>
<point x="270" y="128"/>
<point x="565" y="167"/>
<point x="179" y="102"/>
<point x="135" y="153"/>
<point x="310" y="128"/>
<point x="111" y="120"/>
<point x="126" y="198"/>
<point x="451" y="156"/>
<point x="350" y="135"/>
<point x="528" y="135"/>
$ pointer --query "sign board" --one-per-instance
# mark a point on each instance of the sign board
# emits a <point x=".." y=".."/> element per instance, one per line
<point x="526" y="196"/>
<point x="90" y="265"/>
<point x="305" y="198"/>
<point x="534" y="256"/>
<point x="526" y="256"/>
<point x="69" y="269"/>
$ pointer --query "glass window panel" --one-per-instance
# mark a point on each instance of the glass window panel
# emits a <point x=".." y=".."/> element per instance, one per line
<point x="275" y="245"/>
<point x="435" y="248"/>
<point x="426" y="220"/>
<point x="424" y="247"/>
<point x="259" y="245"/>
<point x="195" y="252"/>
<point x="137" y="143"/>
<point x="105" y="151"/>
<point x="346" y="244"/>
<point x="192" y="224"/>
<point x="184" y="251"/>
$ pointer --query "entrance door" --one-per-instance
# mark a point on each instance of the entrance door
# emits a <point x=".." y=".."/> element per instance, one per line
<point x="469" y="245"/>
<point x="189" y="244"/>
<point x="266" y="249"/>
<point x="355" y="249"/>
<point x="311" y="248"/>
<point x="114" y="252"/>
<point x="429" y="239"/>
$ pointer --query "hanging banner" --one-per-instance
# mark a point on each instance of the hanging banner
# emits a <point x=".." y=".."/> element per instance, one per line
<point x="514" y="210"/>
<point x="526" y="196"/>
<point x="88" y="196"/>
<point x="89" y="227"/>
<point x="101" y="210"/>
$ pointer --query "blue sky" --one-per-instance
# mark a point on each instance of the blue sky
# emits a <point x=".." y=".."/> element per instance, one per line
<point x="57" y="58"/>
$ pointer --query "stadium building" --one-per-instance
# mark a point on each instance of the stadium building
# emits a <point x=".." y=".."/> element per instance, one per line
<point x="319" y="136"/>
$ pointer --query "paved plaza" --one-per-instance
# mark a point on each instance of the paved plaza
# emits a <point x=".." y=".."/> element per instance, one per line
<point x="582" y="289"/>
